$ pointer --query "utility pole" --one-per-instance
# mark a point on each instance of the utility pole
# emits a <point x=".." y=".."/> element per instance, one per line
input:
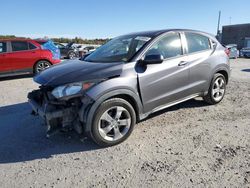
<point x="218" y="27"/>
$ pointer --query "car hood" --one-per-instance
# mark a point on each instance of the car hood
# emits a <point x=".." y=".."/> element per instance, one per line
<point x="76" y="71"/>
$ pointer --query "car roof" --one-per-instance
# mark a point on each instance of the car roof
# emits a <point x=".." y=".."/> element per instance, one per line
<point x="22" y="39"/>
<point x="16" y="39"/>
<point x="155" y="33"/>
<point x="40" y="40"/>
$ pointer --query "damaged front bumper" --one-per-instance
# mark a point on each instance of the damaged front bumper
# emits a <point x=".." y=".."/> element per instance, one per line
<point x="60" y="114"/>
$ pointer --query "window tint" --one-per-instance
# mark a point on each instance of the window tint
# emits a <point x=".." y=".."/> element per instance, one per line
<point x="169" y="46"/>
<point x="19" y="46"/>
<point x="3" y="47"/>
<point x="196" y="42"/>
<point x="32" y="46"/>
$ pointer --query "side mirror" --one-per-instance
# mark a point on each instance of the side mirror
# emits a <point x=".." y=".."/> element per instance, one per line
<point x="153" y="59"/>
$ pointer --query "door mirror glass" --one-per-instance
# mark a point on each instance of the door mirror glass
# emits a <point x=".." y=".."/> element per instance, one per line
<point x="153" y="59"/>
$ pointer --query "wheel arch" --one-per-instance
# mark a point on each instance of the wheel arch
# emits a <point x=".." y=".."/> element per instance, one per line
<point x="125" y="94"/>
<point x="224" y="73"/>
<point x="131" y="100"/>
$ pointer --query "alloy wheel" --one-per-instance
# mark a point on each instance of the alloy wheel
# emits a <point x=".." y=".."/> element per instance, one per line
<point x="114" y="123"/>
<point x="218" y="90"/>
<point x="42" y="65"/>
<point x="72" y="55"/>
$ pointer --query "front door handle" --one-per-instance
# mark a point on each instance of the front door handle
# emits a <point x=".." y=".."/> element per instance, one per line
<point x="182" y="63"/>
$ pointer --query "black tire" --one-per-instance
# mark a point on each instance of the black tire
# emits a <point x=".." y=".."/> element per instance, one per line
<point x="41" y="65"/>
<point x="210" y="98"/>
<point x="72" y="55"/>
<point x="101" y="110"/>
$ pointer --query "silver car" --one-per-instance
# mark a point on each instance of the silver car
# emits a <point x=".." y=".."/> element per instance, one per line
<point x="233" y="51"/>
<point x="130" y="77"/>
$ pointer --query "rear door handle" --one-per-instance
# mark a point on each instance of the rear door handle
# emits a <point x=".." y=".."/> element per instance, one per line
<point x="182" y="63"/>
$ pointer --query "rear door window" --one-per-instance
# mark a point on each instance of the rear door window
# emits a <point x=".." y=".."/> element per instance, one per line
<point x="197" y="43"/>
<point x="3" y="48"/>
<point x="19" y="46"/>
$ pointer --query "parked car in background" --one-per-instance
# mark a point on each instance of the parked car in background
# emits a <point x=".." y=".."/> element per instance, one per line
<point x="129" y="78"/>
<point x="49" y="45"/>
<point x="69" y="51"/>
<point x="89" y="49"/>
<point x="22" y="56"/>
<point x="59" y="45"/>
<point x="245" y="52"/>
<point x="83" y="49"/>
<point x="233" y="51"/>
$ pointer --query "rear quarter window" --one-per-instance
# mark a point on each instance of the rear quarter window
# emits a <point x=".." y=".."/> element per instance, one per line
<point x="197" y="42"/>
<point x="32" y="46"/>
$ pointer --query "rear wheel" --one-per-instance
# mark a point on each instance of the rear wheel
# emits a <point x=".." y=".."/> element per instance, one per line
<point x="113" y="123"/>
<point x="217" y="89"/>
<point x="41" y="66"/>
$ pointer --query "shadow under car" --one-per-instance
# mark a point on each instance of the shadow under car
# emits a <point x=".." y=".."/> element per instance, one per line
<point x="23" y="137"/>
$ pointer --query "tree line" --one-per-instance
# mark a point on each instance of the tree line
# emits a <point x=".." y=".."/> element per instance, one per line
<point x="65" y="40"/>
<point x="79" y="40"/>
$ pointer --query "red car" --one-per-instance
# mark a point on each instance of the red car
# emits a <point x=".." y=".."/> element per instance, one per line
<point x="22" y="56"/>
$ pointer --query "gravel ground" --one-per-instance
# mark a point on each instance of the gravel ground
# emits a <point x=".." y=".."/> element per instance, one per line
<point x="191" y="144"/>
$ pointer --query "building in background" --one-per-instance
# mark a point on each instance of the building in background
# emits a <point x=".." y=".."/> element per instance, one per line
<point x="236" y="34"/>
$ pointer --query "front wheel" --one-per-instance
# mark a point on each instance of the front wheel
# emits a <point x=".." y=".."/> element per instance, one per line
<point x="113" y="122"/>
<point x="72" y="55"/>
<point x="216" y="90"/>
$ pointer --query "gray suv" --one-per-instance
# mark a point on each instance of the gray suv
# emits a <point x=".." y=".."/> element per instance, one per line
<point x="129" y="78"/>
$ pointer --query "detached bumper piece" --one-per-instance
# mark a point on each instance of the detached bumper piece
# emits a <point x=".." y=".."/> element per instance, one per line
<point x="58" y="115"/>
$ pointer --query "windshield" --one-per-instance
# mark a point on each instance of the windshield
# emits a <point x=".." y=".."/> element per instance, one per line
<point x="118" y="49"/>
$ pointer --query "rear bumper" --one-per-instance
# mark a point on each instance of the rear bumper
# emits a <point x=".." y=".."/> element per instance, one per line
<point x="55" y="61"/>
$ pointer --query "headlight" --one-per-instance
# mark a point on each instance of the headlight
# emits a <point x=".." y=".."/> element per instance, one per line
<point x="71" y="89"/>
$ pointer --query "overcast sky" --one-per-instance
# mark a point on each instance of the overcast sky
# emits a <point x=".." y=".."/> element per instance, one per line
<point x="109" y="18"/>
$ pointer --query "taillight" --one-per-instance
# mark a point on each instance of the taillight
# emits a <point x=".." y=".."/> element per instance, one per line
<point x="227" y="51"/>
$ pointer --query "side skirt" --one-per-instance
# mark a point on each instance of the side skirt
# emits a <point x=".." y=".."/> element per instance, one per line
<point x="143" y="116"/>
<point x="16" y="73"/>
